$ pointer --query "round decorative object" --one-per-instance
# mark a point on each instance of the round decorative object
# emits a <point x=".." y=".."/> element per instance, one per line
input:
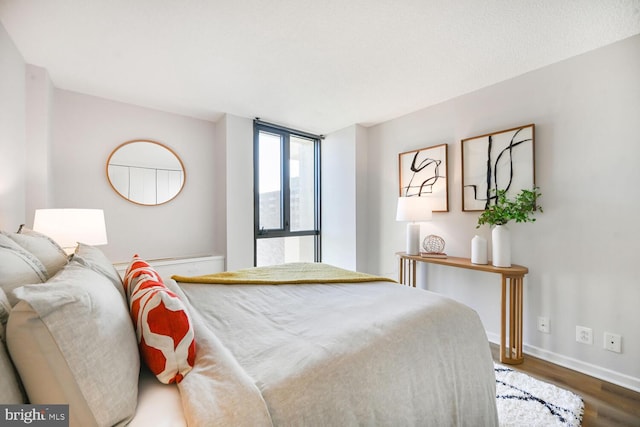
<point x="433" y="244"/>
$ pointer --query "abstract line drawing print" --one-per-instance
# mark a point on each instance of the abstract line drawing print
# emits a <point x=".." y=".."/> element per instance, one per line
<point x="498" y="161"/>
<point x="423" y="173"/>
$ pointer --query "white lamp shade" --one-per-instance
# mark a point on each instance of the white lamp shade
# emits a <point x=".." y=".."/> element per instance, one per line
<point x="413" y="209"/>
<point x="70" y="226"/>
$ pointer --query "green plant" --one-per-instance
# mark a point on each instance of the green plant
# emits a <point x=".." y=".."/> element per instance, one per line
<point x="519" y="209"/>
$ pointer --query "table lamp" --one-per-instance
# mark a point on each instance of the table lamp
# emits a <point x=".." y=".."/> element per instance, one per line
<point x="413" y="209"/>
<point x="70" y="226"/>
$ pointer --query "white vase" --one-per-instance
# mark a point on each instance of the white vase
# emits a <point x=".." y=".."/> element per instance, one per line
<point x="479" y="250"/>
<point x="501" y="246"/>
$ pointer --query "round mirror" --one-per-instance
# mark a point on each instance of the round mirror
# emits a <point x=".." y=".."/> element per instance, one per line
<point x="145" y="172"/>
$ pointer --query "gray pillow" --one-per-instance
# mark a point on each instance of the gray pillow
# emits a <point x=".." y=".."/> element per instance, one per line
<point x="5" y="309"/>
<point x="10" y="391"/>
<point x="18" y="267"/>
<point x="52" y="256"/>
<point x="72" y="342"/>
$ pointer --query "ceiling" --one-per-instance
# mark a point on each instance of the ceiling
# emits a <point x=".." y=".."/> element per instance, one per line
<point x="316" y="65"/>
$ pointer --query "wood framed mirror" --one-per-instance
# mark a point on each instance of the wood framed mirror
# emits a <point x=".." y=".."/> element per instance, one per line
<point x="145" y="172"/>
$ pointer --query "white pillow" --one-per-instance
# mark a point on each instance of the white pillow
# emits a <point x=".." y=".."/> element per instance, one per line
<point x="10" y="391"/>
<point x="52" y="256"/>
<point x="95" y="259"/>
<point x="18" y="267"/>
<point x="5" y="309"/>
<point x="72" y="341"/>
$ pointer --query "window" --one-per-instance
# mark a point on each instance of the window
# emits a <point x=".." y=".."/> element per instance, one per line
<point x="286" y="195"/>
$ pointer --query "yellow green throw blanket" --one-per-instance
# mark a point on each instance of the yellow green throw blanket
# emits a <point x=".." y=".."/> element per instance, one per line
<point x="292" y="273"/>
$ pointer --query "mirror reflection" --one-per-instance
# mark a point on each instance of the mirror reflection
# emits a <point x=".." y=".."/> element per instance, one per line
<point x="145" y="172"/>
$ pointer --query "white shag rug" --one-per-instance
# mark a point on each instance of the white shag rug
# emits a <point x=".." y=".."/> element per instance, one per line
<point x="524" y="401"/>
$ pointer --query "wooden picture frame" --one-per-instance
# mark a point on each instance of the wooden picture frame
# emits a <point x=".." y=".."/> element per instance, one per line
<point x="501" y="160"/>
<point x="423" y="173"/>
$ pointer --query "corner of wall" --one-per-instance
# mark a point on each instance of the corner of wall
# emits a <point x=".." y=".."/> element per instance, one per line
<point x="339" y="226"/>
<point x="39" y="109"/>
<point x="238" y="141"/>
<point x="12" y="134"/>
<point x="362" y="196"/>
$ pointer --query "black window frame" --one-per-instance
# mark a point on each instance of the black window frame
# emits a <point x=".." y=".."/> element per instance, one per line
<point x="285" y="231"/>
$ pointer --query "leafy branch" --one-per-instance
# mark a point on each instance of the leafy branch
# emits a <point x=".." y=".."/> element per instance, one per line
<point x="519" y="209"/>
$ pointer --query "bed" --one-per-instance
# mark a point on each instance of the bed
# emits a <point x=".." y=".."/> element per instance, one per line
<point x="292" y="345"/>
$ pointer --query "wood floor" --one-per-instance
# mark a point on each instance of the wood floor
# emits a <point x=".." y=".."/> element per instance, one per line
<point x="606" y="404"/>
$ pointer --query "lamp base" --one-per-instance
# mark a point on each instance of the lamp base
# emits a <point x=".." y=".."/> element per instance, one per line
<point x="413" y="239"/>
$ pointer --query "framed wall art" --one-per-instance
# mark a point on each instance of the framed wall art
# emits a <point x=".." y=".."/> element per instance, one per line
<point x="501" y="160"/>
<point x="423" y="173"/>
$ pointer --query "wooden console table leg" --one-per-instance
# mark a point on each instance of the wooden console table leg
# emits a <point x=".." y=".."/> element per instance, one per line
<point x="407" y="272"/>
<point x="511" y="349"/>
<point x="414" y="267"/>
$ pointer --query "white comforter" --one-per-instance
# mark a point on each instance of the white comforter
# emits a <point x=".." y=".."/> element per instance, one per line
<point x="373" y="354"/>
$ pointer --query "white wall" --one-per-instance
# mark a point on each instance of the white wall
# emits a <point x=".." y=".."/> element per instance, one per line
<point x="12" y="135"/>
<point x="344" y="198"/>
<point x="39" y="91"/>
<point x="582" y="250"/>
<point x="86" y="129"/>
<point x="338" y="187"/>
<point x="239" y="191"/>
<point x="362" y="194"/>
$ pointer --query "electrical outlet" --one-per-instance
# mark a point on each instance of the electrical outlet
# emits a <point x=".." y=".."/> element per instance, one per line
<point x="543" y="324"/>
<point x="584" y="335"/>
<point x="613" y="342"/>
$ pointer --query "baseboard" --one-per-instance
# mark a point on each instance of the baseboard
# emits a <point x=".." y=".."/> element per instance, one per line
<point x="599" y="372"/>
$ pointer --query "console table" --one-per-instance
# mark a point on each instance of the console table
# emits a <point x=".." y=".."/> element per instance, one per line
<point x="511" y="300"/>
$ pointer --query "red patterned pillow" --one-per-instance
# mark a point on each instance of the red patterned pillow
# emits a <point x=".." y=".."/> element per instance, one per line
<point x="136" y="268"/>
<point x="163" y="327"/>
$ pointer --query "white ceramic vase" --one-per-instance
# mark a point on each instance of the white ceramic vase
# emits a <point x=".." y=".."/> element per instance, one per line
<point x="478" y="250"/>
<point x="501" y="246"/>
